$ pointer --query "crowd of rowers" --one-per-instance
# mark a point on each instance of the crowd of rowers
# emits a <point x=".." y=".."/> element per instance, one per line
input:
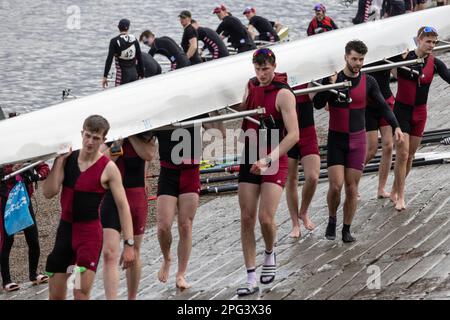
<point x="103" y="191"/>
<point x="125" y="48"/>
<point x="372" y="9"/>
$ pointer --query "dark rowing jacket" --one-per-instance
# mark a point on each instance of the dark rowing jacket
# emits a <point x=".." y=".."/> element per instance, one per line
<point x="125" y="48"/>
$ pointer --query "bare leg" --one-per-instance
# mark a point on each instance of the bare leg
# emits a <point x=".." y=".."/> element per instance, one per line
<point x="268" y="204"/>
<point x="336" y="180"/>
<point x="292" y="197"/>
<point x="248" y="201"/>
<point x="386" y="161"/>
<point x="401" y="161"/>
<point x="414" y="144"/>
<point x="311" y="169"/>
<point x="86" y="282"/>
<point x="336" y="176"/>
<point x="134" y="272"/>
<point x="57" y="286"/>
<point x="371" y="148"/>
<point x="165" y="212"/>
<point x="371" y="145"/>
<point x="111" y="256"/>
<point x="352" y="177"/>
<point x="187" y="205"/>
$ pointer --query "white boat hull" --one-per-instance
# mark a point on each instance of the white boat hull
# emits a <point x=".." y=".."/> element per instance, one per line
<point x="184" y="93"/>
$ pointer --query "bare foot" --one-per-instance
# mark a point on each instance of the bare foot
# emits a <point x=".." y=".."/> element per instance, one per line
<point x="383" y="194"/>
<point x="393" y="197"/>
<point x="181" y="282"/>
<point x="400" y="205"/>
<point x="163" y="274"/>
<point x="309" y="225"/>
<point x="295" y="233"/>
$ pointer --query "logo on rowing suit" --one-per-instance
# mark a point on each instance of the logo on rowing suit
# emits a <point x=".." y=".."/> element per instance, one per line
<point x="278" y="181"/>
<point x="92" y="264"/>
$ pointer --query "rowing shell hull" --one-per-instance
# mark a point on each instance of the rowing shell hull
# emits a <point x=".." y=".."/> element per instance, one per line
<point x="181" y="94"/>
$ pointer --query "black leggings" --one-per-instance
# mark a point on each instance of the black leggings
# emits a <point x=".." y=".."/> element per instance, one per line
<point x="34" y="251"/>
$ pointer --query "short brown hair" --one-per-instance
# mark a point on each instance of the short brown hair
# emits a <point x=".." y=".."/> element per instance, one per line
<point x="263" y="56"/>
<point x="146" y="34"/>
<point x="96" y="124"/>
<point x="357" y="46"/>
<point x="426" y="32"/>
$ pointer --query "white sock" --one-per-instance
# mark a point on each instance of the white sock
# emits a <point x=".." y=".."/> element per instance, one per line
<point x="269" y="258"/>
<point x="251" y="276"/>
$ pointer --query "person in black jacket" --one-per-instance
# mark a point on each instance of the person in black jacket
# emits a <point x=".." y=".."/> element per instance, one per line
<point x="233" y="29"/>
<point x="126" y="51"/>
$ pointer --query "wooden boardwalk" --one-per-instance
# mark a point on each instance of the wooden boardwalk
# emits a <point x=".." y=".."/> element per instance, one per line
<point x="410" y="250"/>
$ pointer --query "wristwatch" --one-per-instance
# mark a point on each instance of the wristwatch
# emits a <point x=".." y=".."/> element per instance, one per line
<point x="129" y="242"/>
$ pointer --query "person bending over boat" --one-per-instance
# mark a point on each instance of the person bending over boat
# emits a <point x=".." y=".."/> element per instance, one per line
<point x="189" y="42"/>
<point x="347" y="137"/>
<point x="321" y="22"/>
<point x="263" y="26"/>
<point x="233" y="29"/>
<point x="211" y="41"/>
<point x="85" y="176"/>
<point x="167" y="47"/>
<point x="130" y="156"/>
<point x="262" y="174"/>
<point x="374" y="122"/>
<point x="411" y="105"/>
<point x="151" y="66"/>
<point x="307" y="152"/>
<point x="126" y="51"/>
<point x="391" y="8"/>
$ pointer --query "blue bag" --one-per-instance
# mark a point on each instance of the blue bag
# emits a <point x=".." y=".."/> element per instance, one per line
<point x="17" y="213"/>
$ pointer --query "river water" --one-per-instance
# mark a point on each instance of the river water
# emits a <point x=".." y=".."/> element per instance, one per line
<point x="48" y="46"/>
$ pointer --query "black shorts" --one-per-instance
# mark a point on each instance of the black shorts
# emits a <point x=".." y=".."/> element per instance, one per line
<point x="173" y="182"/>
<point x="137" y="199"/>
<point x="109" y="214"/>
<point x="412" y="119"/>
<point x="373" y="117"/>
<point x="128" y="75"/>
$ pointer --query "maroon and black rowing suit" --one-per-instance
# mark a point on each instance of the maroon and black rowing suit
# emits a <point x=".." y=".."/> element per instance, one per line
<point x="307" y="144"/>
<point x="79" y="237"/>
<point x="132" y="169"/>
<point x="412" y="94"/>
<point x="374" y="118"/>
<point x="264" y="96"/>
<point x="346" y="133"/>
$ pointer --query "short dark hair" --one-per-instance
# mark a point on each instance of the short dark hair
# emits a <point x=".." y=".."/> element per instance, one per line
<point x="97" y="124"/>
<point x="426" y="32"/>
<point x="124" y="25"/>
<point x="146" y="34"/>
<point x="263" y="56"/>
<point x="357" y="46"/>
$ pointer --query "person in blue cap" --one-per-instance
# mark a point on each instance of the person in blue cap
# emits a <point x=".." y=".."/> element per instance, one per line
<point x="126" y="52"/>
